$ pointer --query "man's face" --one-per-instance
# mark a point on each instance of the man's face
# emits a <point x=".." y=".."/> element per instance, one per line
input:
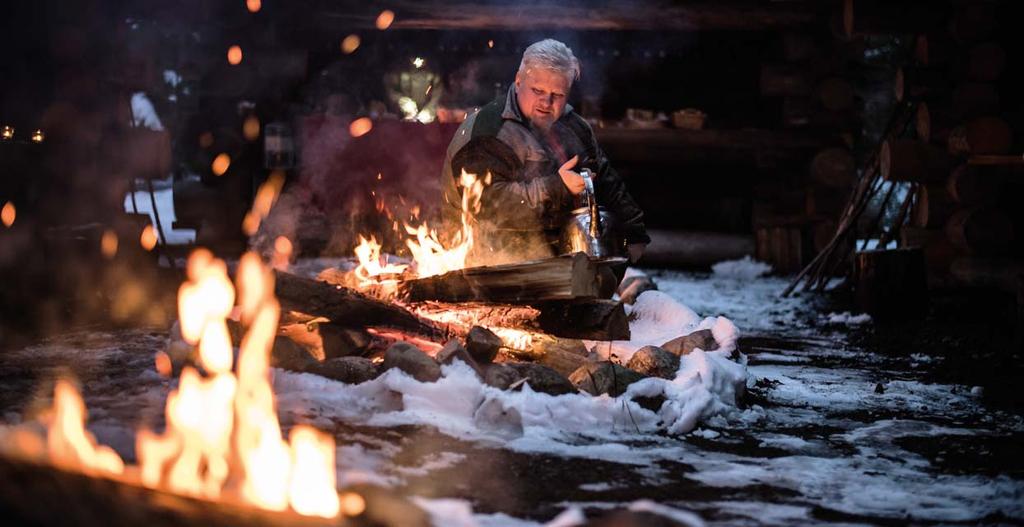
<point x="542" y="94"/>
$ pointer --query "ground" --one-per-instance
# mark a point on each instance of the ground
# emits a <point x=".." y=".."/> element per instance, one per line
<point x="844" y="422"/>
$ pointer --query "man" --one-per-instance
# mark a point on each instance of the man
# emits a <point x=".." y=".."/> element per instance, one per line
<point x="532" y="144"/>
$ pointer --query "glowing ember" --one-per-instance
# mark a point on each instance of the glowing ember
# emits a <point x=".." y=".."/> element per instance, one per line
<point x="266" y="196"/>
<point x="8" y="213"/>
<point x="108" y="243"/>
<point x="431" y="256"/>
<point x="251" y="128"/>
<point x="253" y="5"/>
<point x="384" y="19"/>
<point x="282" y="253"/>
<point x="350" y="43"/>
<point x="361" y="126"/>
<point x="68" y="444"/>
<point x="234" y="55"/>
<point x="490" y="43"/>
<point x="220" y="164"/>
<point x="148" y="238"/>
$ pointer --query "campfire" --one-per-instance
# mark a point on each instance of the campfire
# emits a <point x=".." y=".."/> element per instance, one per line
<point x="222" y="439"/>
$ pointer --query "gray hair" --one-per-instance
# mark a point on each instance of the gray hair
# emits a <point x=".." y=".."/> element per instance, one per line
<point x="551" y="54"/>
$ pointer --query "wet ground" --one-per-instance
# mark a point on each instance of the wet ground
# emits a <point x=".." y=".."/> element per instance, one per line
<point x="844" y="423"/>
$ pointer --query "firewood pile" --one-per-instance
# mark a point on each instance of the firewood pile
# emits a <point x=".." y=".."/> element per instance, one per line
<point x="513" y="324"/>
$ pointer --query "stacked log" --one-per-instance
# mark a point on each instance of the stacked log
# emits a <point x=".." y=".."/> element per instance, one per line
<point x="960" y="207"/>
<point x="811" y="82"/>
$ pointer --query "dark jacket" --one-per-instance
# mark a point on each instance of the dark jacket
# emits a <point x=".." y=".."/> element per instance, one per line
<point x="526" y="196"/>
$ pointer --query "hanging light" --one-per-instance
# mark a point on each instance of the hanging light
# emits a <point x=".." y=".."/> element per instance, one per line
<point x="7" y="132"/>
<point x="37" y="136"/>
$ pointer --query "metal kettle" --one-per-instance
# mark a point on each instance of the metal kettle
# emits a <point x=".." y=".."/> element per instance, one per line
<point x="591" y="229"/>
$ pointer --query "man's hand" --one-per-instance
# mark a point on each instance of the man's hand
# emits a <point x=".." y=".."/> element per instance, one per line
<point x="635" y="250"/>
<point x="572" y="180"/>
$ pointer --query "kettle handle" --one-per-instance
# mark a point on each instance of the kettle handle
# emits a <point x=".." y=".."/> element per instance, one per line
<point x="595" y="215"/>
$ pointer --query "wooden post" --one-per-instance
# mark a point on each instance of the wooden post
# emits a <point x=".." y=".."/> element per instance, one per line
<point x="891" y="283"/>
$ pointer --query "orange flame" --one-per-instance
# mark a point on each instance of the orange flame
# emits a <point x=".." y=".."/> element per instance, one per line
<point x="148" y="238"/>
<point x="69" y="444"/>
<point x="350" y="44"/>
<point x="360" y="127"/>
<point x="431" y="257"/>
<point x="208" y="417"/>
<point x="372" y="264"/>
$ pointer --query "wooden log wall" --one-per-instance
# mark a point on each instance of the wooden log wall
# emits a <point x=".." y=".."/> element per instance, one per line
<point x="964" y="155"/>
<point x="808" y="76"/>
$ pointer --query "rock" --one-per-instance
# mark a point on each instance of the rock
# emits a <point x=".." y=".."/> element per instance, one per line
<point x="653" y="361"/>
<point x="510" y="375"/>
<point x="342" y="342"/>
<point x="603" y="377"/>
<point x="482" y="344"/>
<point x="684" y="345"/>
<point x="452" y="351"/>
<point x="288" y="355"/>
<point x="411" y="360"/>
<point x="350" y="370"/>
<point x="632" y="287"/>
<point x="492" y="416"/>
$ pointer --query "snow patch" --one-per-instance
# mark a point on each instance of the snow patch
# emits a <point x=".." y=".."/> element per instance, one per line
<point x="848" y="319"/>
<point x="745" y="268"/>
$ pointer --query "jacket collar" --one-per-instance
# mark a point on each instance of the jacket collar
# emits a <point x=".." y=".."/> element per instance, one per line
<point x="513" y="112"/>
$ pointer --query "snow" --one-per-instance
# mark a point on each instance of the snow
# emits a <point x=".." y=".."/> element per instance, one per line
<point x="848" y="319"/>
<point x="816" y="446"/>
<point x="745" y="268"/>
<point x="657" y="318"/>
<point x="165" y="207"/>
<point x="143" y="113"/>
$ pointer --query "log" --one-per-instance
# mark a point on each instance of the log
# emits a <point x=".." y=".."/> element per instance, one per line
<point x="983" y="231"/>
<point x="785" y="80"/>
<point x="914" y="161"/>
<point x="984" y="135"/>
<point x="835" y="94"/>
<point x="558" y="278"/>
<point x="345" y="306"/>
<point x="585" y="319"/>
<point x="825" y="202"/>
<point x="785" y="247"/>
<point x="933" y="207"/>
<point x="973" y="185"/>
<point x="694" y="249"/>
<point x="559" y="354"/>
<point x="973" y="22"/>
<point x="890" y="284"/>
<point x="804" y="111"/>
<point x="591" y="319"/>
<point x="984" y="62"/>
<point x="974" y="99"/>
<point x="834" y="167"/>
<point x="882" y="17"/>
<point x="32" y="491"/>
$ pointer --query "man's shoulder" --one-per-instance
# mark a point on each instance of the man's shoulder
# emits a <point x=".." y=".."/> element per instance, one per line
<point x="487" y="121"/>
<point x="578" y="125"/>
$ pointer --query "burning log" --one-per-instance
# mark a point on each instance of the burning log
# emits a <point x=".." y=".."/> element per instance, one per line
<point x="559" y="278"/>
<point x="592" y="319"/>
<point x="343" y="305"/>
<point x="98" y="501"/>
